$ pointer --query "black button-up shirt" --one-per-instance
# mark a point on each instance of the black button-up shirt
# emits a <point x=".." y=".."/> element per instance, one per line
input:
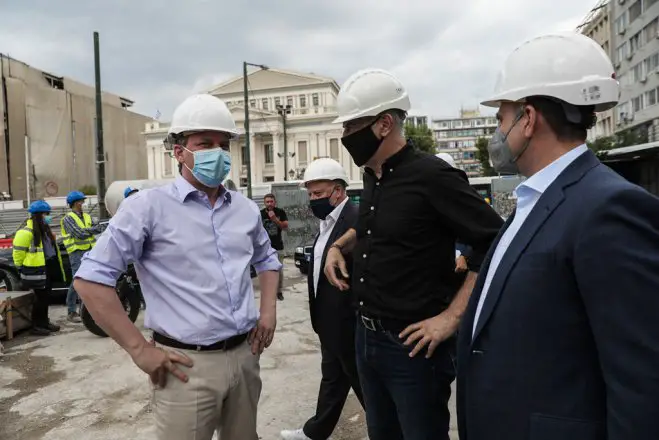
<point x="409" y="222"/>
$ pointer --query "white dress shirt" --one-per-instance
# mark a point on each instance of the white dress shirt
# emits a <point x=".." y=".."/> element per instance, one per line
<point x="528" y="193"/>
<point x="326" y="227"/>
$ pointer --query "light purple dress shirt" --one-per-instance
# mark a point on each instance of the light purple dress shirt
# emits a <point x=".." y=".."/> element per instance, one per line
<point x="192" y="260"/>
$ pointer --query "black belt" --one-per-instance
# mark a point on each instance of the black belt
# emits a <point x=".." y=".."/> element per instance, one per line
<point x="224" y="345"/>
<point x="374" y="323"/>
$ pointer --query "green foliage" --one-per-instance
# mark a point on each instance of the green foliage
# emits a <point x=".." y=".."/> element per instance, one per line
<point x="484" y="157"/>
<point x="88" y="190"/>
<point x="624" y="138"/>
<point x="422" y="137"/>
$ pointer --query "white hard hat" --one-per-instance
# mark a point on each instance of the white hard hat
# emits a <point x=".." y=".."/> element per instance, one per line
<point x="568" y="66"/>
<point x="203" y="112"/>
<point x="446" y="158"/>
<point x="324" y="169"/>
<point x="369" y="92"/>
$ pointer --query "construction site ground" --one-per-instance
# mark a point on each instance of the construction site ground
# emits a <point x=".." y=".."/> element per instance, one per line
<point x="74" y="385"/>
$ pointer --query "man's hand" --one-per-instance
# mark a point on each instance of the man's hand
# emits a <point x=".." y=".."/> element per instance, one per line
<point x="461" y="264"/>
<point x="430" y="332"/>
<point x="271" y="214"/>
<point x="158" y="362"/>
<point x="335" y="264"/>
<point x="261" y="336"/>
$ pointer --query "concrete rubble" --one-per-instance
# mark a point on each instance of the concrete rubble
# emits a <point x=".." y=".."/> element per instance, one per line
<point x="75" y="385"/>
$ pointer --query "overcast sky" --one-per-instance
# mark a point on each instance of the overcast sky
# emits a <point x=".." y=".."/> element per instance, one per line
<point x="157" y="52"/>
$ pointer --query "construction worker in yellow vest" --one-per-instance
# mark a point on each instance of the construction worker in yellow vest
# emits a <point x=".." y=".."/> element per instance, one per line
<point x="78" y="233"/>
<point x="37" y="257"/>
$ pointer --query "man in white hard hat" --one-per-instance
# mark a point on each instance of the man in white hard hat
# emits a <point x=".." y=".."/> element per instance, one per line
<point x="332" y="311"/>
<point x="560" y="339"/>
<point x="192" y="243"/>
<point x="413" y="209"/>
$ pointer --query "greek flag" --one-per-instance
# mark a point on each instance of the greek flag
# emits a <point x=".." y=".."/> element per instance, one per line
<point x="157" y="115"/>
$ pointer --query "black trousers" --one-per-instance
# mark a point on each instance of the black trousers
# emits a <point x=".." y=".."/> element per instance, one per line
<point x="339" y="374"/>
<point x="42" y="296"/>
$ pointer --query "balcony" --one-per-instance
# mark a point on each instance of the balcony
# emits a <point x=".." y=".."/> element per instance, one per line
<point x="311" y="111"/>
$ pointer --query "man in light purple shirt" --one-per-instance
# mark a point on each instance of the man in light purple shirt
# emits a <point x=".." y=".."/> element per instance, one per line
<point x="192" y="243"/>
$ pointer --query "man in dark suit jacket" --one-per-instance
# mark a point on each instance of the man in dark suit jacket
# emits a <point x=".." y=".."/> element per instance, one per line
<point x="332" y="311"/>
<point x="560" y="339"/>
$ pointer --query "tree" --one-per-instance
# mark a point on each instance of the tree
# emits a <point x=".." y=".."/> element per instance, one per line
<point x="422" y="137"/>
<point x="484" y="156"/>
<point x="624" y="138"/>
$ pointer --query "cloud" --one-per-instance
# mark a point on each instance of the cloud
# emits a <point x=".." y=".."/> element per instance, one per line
<point x="158" y="52"/>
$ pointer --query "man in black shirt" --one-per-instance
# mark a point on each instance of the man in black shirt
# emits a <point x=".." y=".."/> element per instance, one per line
<point x="414" y="208"/>
<point x="275" y="221"/>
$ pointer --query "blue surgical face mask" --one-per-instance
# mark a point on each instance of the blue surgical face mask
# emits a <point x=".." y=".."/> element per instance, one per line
<point x="47" y="219"/>
<point x="211" y="166"/>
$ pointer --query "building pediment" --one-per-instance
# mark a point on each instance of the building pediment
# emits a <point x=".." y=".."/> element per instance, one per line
<point x="270" y="79"/>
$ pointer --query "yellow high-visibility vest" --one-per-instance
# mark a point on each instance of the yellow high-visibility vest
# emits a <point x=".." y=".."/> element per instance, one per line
<point x="30" y="259"/>
<point x="73" y="244"/>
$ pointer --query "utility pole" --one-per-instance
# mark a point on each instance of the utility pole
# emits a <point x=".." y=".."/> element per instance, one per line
<point x="283" y="111"/>
<point x="247" y="135"/>
<point x="5" y="118"/>
<point x="100" y="152"/>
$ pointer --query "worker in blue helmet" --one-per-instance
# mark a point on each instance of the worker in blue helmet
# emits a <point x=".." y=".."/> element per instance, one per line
<point x="129" y="191"/>
<point x="78" y="233"/>
<point x="37" y="257"/>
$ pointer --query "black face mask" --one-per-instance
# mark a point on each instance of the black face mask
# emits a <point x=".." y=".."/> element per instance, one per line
<point x="362" y="145"/>
<point x="321" y="208"/>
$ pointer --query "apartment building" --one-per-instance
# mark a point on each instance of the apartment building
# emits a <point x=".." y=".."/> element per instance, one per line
<point x="597" y="25"/>
<point x="635" y="53"/>
<point x="306" y="103"/>
<point x="457" y="137"/>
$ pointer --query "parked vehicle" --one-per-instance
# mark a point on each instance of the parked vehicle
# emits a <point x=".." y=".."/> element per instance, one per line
<point x="302" y="257"/>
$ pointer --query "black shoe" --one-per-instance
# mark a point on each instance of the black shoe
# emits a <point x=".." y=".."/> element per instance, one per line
<point x="53" y="327"/>
<point x="280" y="296"/>
<point x="40" y="331"/>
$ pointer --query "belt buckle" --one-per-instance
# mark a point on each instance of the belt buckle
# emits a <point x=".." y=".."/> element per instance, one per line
<point x="369" y="323"/>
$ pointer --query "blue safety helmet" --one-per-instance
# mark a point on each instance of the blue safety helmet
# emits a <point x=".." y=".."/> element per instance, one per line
<point x="39" y="206"/>
<point x="128" y="191"/>
<point x="74" y="196"/>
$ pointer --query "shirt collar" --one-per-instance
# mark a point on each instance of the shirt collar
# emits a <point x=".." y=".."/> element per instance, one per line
<point x="540" y="181"/>
<point x="336" y="212"/>
<point x="185" y="188"/>
<point x="397" y="158"/>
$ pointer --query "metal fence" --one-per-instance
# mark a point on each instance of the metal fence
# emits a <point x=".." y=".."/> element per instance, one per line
<point x="11" y="220"/>
<point x="302" y="225"/>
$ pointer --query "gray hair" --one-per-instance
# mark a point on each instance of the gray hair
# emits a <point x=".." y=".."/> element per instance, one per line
<point x="399" y="117"/>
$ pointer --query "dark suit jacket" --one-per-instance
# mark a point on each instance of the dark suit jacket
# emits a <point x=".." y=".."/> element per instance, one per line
<point x="332" y="311"/>
<point x="567" y="343"/>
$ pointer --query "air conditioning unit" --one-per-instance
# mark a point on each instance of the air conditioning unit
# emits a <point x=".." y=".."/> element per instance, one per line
<point x="622" y="2"/>
<point x="622" y="30"/>
<point x="644" y="79"/>
<point x="629" y="56"/>
<point x="617" y="65"/>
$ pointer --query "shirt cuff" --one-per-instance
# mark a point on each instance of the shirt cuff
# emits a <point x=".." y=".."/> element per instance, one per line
<point x="271" y="263"/>
<point x="96" y="272"/>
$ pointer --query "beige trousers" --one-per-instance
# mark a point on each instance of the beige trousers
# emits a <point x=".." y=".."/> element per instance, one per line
<point x="280" y="254"/>
<point x="222" y="395"/>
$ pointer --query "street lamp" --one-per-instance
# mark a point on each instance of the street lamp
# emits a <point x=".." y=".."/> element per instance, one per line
<point x="247" y="140"/>
<point x="284" y="110"/>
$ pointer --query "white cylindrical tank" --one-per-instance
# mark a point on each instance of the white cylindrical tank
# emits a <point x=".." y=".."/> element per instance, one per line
<point x="115" y="192"/>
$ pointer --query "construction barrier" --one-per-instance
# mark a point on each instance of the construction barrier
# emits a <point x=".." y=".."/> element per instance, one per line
<point x="5" y="243"/>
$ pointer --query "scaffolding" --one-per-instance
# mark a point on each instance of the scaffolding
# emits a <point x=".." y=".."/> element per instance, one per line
<point x="592" y="15"/>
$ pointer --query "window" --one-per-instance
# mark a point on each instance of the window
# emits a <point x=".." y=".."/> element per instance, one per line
<point x="303" y="101"/>
<point x="457" y="124"/>
<point x="478" y="122"/>
<point x="289" y="101"/>
<point x="650" y="30"/>
<point x="637" y="71"/>
<point x="315" y="101"/>
<point x="637" y="103"/>
<point x="626" y="79"/>
<point x="443" y="124"/>
<point x="621" y="52"/>
<point x="649" y="3"/>
<point x="268" y="178"/>
<point x="167" y="164"/>
<point x="621" y="23"/>
<point x="635" y="10"/>
<point x="302" y="152"/>
<point x="651" y="97"/>
<point x="623" y="110"/>
<point x="277" y="102"/>
<point x="243" y="181"/>
<point x="264" y="103"/>
<point x="651" y="63"/>
<point x="243" y="154"/>
<point x="252" y="103"/>
<point x="466" y="124"/>
<point x="268" y="153"/>
<point x="635" y="42"/>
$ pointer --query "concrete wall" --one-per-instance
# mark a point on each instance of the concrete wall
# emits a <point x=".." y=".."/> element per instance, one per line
<point x="59" y="122"/>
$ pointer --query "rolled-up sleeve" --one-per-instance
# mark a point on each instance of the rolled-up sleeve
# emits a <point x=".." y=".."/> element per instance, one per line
<point x="265" y="256"/>
<point x="119" y="245"/>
